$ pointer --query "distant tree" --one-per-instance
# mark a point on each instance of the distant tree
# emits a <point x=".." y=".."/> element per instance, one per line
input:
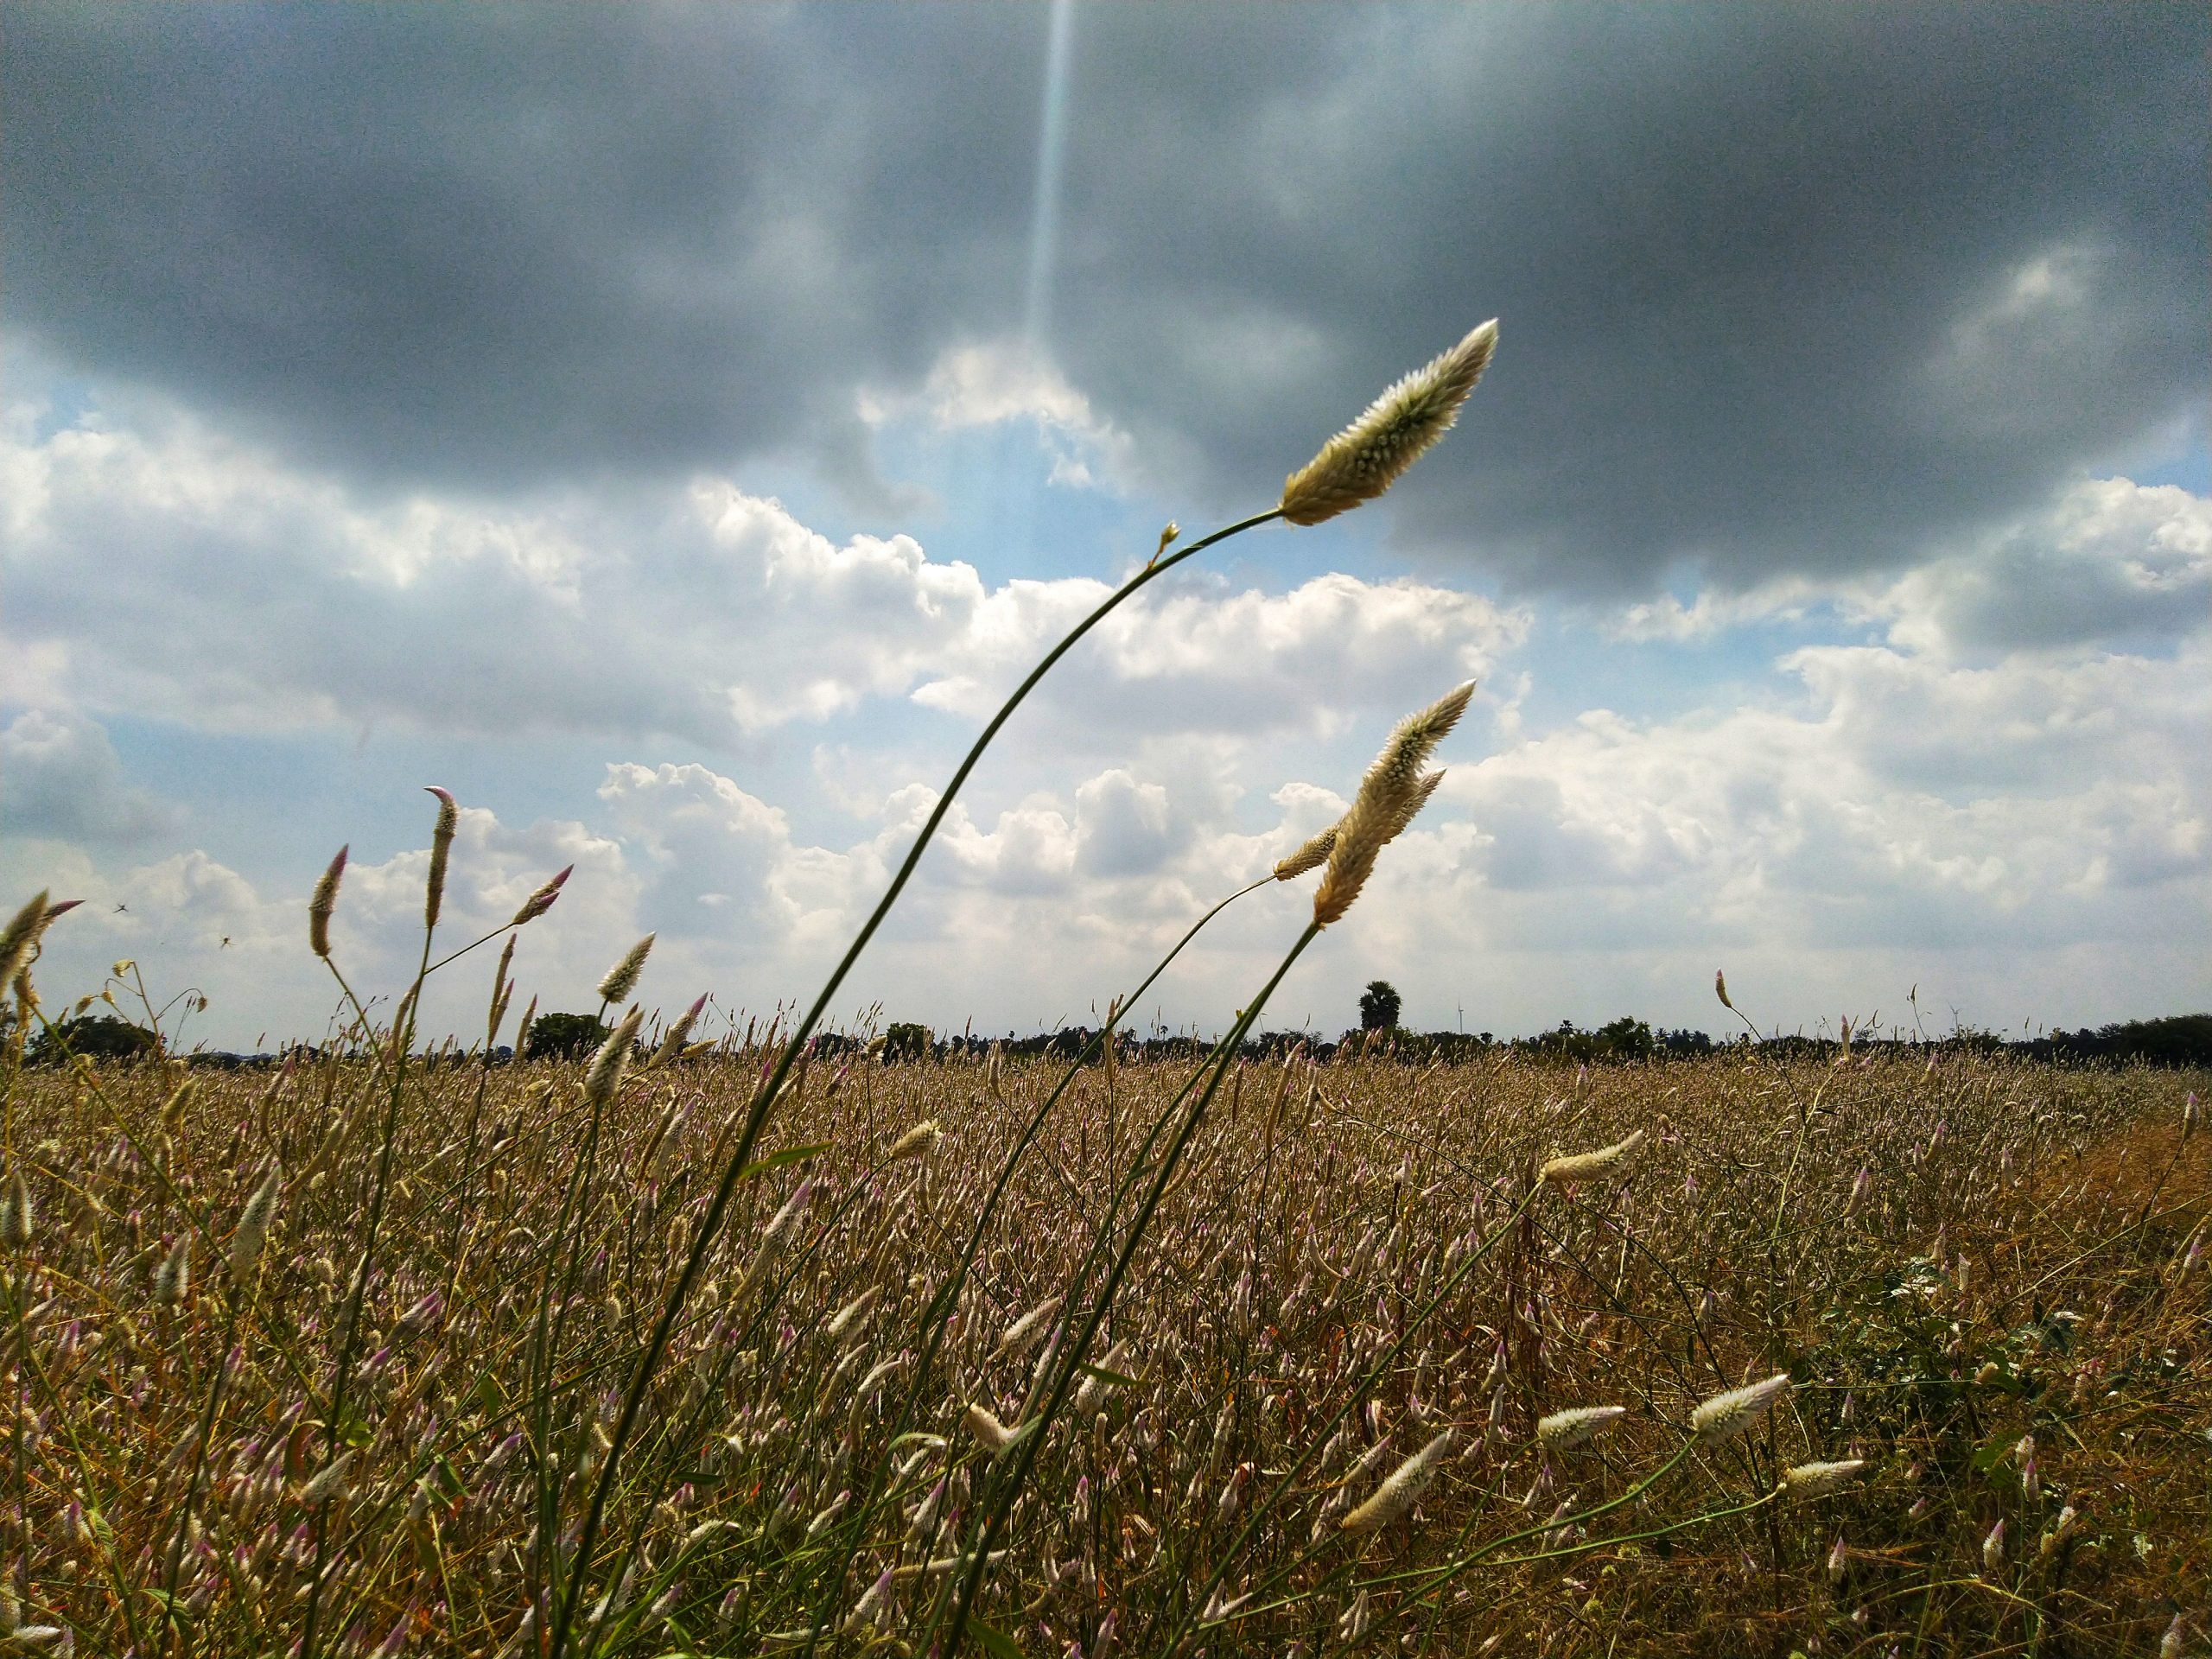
<point x="1378" y="1006"/>
<point x="907" y="1039"/>
<point x="562" y="1037"/>
<point x="92" y="1037"/>
<point x="1625" y="1038"/>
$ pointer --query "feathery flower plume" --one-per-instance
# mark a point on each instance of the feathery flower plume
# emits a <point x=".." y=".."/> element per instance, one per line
<point x="1390" y="793"/>
<point x="1400" y="1489"/>
<point x="324" y="900"/>
<point x="330" y="1484"/>
<point x="440" y="846"/>
<point x="502" y="988"/>
<point x="1564" y="1430"/>
<point x="1352" y="1622"/>
<point x="605" y="1075"/>
<point x="253" y="1226"/>
<point x="1993" y="1547"/>
<point x="173" y="1279"/>
<point x="917" y="1142"/>
<point x="20" y="934"/>
<point x="16" y="1219"/>
<point x="1807" y="1481"/>
<point x="985" y="1426"/>
<point x="1398" y="428"/>
<point x="1726" y="1416"/>
<point x="1582" y="1166"/>
<point x="541" y="901"/>
<point x="672" y="1040"/>
<point x="622" y="978"/>
<point x="1310" y="856"/>
<point x="1025" y="1329"/>
<point x="1721" y="989"/>
<point x="1415" y="802"/>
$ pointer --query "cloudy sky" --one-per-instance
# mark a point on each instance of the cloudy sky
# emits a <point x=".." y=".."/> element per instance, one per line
<point x="671" y="429"/>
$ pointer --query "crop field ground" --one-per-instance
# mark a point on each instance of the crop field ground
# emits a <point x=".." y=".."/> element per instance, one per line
<point x="1986" y="1281"/>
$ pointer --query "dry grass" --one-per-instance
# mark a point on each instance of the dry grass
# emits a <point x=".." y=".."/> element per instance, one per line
<point x="2018" y="1263"/>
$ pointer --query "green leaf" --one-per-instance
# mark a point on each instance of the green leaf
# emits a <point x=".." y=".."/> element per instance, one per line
<point x="1105" y="1376"/>
<point x="778" y="1159"/>
<point x="995" y="1643"/>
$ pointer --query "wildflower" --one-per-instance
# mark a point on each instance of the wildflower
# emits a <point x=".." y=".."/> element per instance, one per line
<point x="1721" y="989"/>
<point x="1807" y="1481"/>
<point x="622" y="978"/>
<point x="440" y="846"/>
<point x="173" y="1279"/>
<point x="19" y="938"/>
<point x="1352" y="1624"/>
<point x="1726" y="1416"/>
<point x="1311" y="856"/>
<point x="1582" y="1166"/>
<point x="605" y="1075"/>
<point x="330" y="1484"/>
<point x="1391" y="792"/>
<point x="850" y="1313"/>
<point x="1398" y="428"/>
<point x="322" y="902"/>
<point x="542" y="900"/>
<point x="1838" y="1561"/>
<point x="1400" y="1490"/>
<point x="985" y="1426"/>
<point x="1564" y="1430"/>
<point x="1025" y="1329"/>
<point x="253" y="1226"/>
<point x="678" y="1033"/>
<point x="1993" y="1547"/>
<point x="917" y="1142"/>
<point x="16" y="1219"/>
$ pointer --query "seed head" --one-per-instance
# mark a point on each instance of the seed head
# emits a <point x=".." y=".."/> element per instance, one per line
<point x="324" y="901"/>
<point x="541" y="901"/>
<point x="678" y="1033"/>
<point x="173" y="1279"/>
<point x="985" y="1426"/>
<point x="607" y="1066"/>
<point x="1392" y="791"/>
<point x="1398" y="428"/>
<point x="622" y="978"/>
<point x="20" y="937"/>
<point x="1400" y="1490"/>
<point x="1583" y="1165"/>
<point x="330" y="1484"/>
<point x="1993" y="1547"/>
<point x="440" y="845"/>
<point x="917" y="1142"/>
<point x="1807" y="1481"/>
<point x="1726" y="1416"/>
<point x="1564" y="1430"/>
<point x="1310" y="856"/>
<point x="16" y="1219"/>
<point x="253" y="1226"/>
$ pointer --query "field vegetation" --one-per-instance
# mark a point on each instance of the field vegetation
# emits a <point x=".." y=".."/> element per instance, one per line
<point x="787" y="1343"/>
<point x="1984" y="1280"/>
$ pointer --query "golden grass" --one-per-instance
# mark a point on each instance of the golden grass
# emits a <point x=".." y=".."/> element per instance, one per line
<point x="2019" y="1265"/>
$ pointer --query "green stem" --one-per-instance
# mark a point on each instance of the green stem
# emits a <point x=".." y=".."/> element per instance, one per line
<point x="765" y="1096"/>
<point x="997" y="1512"/>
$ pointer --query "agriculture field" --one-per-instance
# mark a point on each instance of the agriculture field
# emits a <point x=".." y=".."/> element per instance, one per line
<point x="1321" y="1412"/>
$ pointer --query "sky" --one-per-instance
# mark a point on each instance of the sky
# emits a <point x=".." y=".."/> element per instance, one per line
<point x="673" y="429"/>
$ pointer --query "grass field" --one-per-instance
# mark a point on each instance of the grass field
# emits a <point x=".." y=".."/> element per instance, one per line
<point x="1985" y="1281"/>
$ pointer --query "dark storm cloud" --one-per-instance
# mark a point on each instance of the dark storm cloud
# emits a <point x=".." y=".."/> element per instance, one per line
<point x="1782" y="290"/>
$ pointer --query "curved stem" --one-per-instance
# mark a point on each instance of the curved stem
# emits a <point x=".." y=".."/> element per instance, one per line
<point x="931" y="1327"/>
<point x="764" y="1097"/>
<point x="1034" y="1430"/>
